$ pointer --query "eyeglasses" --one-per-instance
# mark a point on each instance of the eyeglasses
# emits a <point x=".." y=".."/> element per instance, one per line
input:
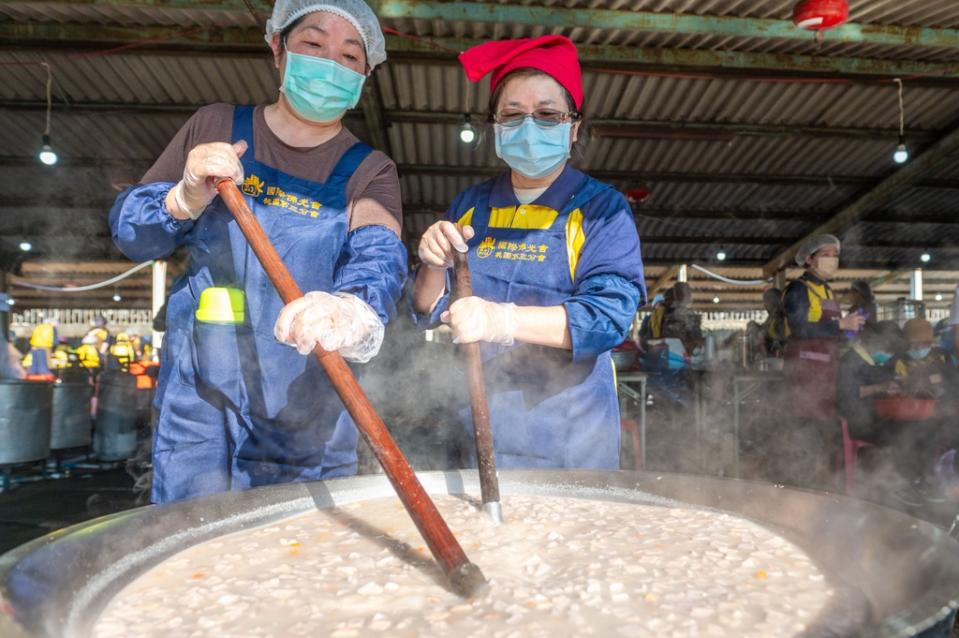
<point x="542" y="117"/>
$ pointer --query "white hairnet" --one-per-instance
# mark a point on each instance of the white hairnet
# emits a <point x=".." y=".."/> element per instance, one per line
<point x="813" y="245"/>
<point x="357" y="12"/>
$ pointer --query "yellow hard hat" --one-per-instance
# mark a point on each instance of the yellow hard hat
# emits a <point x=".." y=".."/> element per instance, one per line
<point x="221" y="305"/>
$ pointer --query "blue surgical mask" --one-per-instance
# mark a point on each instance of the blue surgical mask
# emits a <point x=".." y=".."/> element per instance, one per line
<point x="533" y="150"/>
<point x="320" y="90"/>
<point x="919" y="353"/>
<point x="881" y="358"/>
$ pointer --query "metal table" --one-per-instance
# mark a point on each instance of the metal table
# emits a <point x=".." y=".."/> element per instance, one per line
<point x="631" y="386"/>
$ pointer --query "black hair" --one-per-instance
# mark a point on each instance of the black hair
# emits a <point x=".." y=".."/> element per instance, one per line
<point x="582" y="135"/>
<point x="527" y="72"/>
<point x="285" y="33"/>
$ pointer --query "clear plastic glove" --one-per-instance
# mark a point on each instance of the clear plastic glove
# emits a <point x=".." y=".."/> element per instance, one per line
<point x="473" y="319"/>
<point x="205" y="165"/>
<point x="440" y="240"/>
<point x="341" y="322"/>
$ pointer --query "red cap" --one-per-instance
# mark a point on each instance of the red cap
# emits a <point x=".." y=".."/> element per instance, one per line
<point x="554" y="55"/>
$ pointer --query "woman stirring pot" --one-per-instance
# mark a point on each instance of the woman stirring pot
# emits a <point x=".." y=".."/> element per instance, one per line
<point x="556" y="267"/>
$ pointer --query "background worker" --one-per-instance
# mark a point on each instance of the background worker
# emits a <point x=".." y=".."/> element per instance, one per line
<point x="814" y="327"/>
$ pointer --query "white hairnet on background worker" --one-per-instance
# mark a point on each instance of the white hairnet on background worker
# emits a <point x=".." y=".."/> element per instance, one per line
<point x="813" y="245"/>
<point x="357" y="12"/>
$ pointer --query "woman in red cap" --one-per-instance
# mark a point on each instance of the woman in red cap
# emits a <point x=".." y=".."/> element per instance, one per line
<point x="557" y="272"/>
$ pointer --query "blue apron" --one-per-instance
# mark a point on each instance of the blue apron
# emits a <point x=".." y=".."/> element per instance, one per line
<point x="241" y="409"/>
<point x="546" y="411"/>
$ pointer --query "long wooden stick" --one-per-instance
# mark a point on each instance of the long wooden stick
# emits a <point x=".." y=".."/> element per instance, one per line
<point x="485" y="459"/>
<point x="465" y="578"/>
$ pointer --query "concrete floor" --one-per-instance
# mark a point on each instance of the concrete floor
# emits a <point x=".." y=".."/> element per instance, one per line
<point x="33" y="509"/>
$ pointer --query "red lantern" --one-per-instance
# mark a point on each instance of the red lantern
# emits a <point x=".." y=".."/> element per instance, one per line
<point x="818" y="15"/>
<point x="637" y="195"/>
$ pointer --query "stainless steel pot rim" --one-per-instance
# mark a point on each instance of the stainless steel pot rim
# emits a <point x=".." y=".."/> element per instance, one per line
<point x="924" y="546"/>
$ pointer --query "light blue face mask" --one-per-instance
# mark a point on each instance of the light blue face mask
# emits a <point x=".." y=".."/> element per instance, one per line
<point x="320" y="90"/>
<point x="533" y="150"/>
<point x="919" y="353"/>
<point x="881" y="358"/>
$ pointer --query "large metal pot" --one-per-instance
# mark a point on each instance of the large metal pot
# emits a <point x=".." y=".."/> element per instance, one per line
<point x="907" y="570"/>
<point x="25" y="412"/>
<point x="115" y="434"/>
<point x="71" y="425"/>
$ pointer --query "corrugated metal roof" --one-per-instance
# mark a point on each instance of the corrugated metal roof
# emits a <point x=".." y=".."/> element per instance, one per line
<point x="123" y="15"/>
<point x="161" y="81"/>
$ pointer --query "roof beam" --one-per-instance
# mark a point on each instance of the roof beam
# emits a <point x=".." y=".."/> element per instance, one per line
<point x="552" y="17"/>
<point x="681" y="178"/>
<point x="371" y="108"/>
<point x="905" y="177"/>
<point x="664" y="23"/>
<point x="662" y="282"/>
<point x="235" y="6"/>
<point x="50" y="35"/>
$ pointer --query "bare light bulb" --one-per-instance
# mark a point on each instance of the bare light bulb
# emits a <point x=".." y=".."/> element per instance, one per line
<point x="47" y="155"/>
<point x="117" y="297"/>
<point x="938" y="296"/>
<point x="925" y="258"/>
<point x="715" y="299"/>
<point x="26" y="246"/>
<point x="467" y="134"/>
<point x="901" y="156"/>
<point x="721" y="255"/>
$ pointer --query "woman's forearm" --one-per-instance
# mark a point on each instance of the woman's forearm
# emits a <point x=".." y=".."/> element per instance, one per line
<point x="543" y="326"/>
<point x="428" y="289"/>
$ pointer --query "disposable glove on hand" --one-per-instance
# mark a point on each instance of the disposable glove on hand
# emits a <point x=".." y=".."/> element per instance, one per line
<point x="440" y="241"/>
<point x="205" y="165"/>
<point x="341" y="322"/>
<point x="473" y="319"/>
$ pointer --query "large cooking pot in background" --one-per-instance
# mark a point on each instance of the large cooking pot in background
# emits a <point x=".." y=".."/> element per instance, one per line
<point x="25" y="413"/>
<point x="907" y="570"/>
<point x="71" y="426"/>
<point x="115" y="432"/>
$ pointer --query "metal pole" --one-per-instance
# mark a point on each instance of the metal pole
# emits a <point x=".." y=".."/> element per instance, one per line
<point x="159" y="297"/>
<point x="915" y="285"/>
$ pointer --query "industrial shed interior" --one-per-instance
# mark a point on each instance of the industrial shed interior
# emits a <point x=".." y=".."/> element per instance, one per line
<point x="735" y="134"/>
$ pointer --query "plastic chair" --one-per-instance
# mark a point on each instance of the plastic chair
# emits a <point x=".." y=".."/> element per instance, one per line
<point x="850" y="454"/>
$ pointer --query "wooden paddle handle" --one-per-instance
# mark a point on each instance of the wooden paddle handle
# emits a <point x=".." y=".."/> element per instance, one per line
<point x="465" y="577"/>
<point x="485" y="459"/>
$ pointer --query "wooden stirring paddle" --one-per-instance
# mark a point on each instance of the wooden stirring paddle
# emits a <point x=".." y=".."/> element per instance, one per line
<point x="465" y="578"/>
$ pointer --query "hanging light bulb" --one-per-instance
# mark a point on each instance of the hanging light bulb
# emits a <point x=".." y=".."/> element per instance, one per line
<point x="938" y="297"/>
<point x="47" y="155"/>
<point x="925" y="258"/>
<point x="715" y="299"/>
<point x="116" y="294"/>
<point x="901" y="156"/>
<point x="721" y="255"/>
<point x="12" y="301"/>
<point x="467" y="133"/>
<point x="26" y="246"/>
